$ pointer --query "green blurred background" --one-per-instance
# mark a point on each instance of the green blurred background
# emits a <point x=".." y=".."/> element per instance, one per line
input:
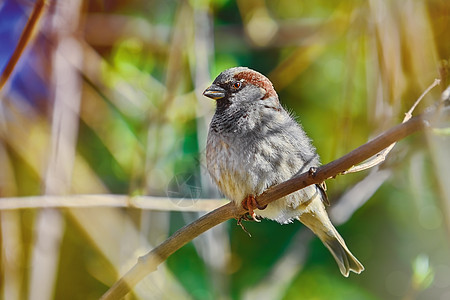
<point x="107" y="100"/>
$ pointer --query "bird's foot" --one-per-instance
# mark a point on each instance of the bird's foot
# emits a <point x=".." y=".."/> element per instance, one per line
<point x="250" y="204"/>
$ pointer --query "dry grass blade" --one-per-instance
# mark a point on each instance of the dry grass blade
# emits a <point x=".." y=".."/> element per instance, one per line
<point x="110" y="200"/>
<point x="380" y="157"/>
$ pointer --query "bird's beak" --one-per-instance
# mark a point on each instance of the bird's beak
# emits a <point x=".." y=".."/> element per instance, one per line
<point x="214" y="92"/>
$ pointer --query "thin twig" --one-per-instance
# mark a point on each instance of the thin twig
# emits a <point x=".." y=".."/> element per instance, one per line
<point x="151" y="260"/>
<point x="408" y="115"/>
<point x="25" y="38"/>
<point x="381" y="157"/>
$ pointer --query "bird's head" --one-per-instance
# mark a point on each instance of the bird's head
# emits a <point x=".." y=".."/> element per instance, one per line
<point x="242" y="86"/>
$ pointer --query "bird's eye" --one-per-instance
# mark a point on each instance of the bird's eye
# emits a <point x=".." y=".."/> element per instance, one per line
<point x="237" y="85"/>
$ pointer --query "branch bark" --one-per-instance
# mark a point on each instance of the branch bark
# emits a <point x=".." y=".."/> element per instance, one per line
<point x="25" y="38"/>
<point x="149" y="262"/>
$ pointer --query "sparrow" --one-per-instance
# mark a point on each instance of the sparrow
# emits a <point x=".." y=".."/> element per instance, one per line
<point x="253" y="143"/>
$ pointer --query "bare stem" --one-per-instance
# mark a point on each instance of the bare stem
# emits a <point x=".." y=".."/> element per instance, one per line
<point x="27" y="33"/>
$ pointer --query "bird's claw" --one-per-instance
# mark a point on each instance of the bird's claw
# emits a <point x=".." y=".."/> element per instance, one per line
<point x="249" y="203"/>
<point x="239" y="222"/>
<point x="312" y="171"/>
<point x="248" y="217"/>
<point x="255" y="218"/>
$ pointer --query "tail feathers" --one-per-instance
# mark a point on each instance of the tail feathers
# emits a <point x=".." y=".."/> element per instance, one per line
<point x="345" y="259"/>
<point x="322" y="227"/>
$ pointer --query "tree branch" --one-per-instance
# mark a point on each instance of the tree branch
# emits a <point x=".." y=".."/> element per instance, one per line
<point x="27" y="33"/>
<point x="149" y="262"/>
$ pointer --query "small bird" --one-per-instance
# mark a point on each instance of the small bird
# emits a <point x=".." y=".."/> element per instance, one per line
<point x="254" y="143"/>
